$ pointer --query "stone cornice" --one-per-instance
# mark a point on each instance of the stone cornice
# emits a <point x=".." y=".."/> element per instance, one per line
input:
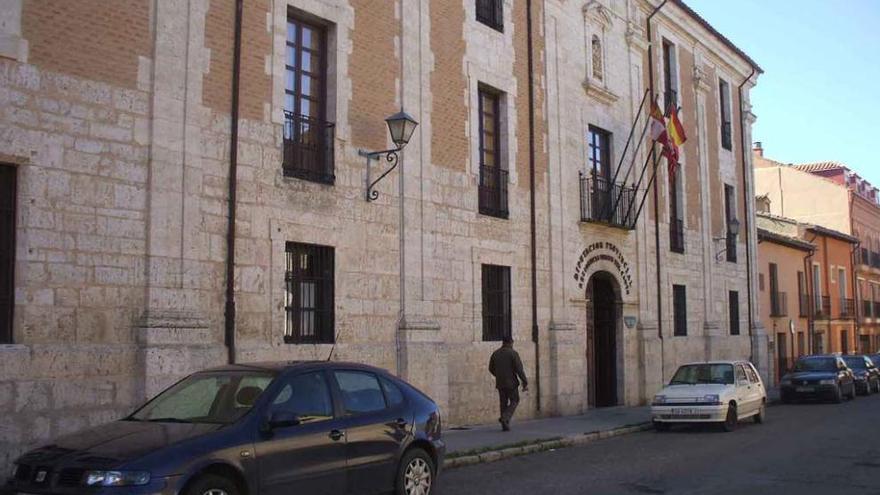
<point x="597" y="90"/>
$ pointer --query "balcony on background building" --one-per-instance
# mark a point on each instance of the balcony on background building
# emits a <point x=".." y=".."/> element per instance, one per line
<point x="308" y="148"/>
<point x="605" y="202"/>
<point x="822" y="310"/>
<point x="804" y="306"/>
<point x="493" y="192"/>
<point x="778" y="304"/>
<point x="847" y="308"/>
<point x="864" y="256"/>
<point x="676" y="236"/>
<point x="867" y="309"/>
<point x="875" y="259"/>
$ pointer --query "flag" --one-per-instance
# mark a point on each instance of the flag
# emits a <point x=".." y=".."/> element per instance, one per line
<point x="675" y="138"/>
<point x="658" y="124"/>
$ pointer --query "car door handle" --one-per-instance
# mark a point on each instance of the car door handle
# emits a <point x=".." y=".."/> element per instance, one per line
<point x="337" y="435"/>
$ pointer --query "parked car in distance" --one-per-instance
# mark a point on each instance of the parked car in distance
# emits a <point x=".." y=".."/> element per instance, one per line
<point x="723" y="392"/>
<point x="867" y="375"/>
<point x="268" y="428"/>
<point x="818" y="377"/>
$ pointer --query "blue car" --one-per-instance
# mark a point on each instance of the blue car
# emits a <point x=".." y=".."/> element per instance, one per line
<point x="267" y="429"/>
<point x="818" y="377"/>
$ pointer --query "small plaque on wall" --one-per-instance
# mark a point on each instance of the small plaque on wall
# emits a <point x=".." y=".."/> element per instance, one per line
<point x="630" y="321"/>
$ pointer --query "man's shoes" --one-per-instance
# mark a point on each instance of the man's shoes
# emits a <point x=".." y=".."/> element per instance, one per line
<point x="505" y="426"/>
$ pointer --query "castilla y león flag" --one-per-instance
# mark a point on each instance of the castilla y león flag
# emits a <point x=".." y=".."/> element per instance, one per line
<point x="658" y="124"/>
<point x="676" y="137"/>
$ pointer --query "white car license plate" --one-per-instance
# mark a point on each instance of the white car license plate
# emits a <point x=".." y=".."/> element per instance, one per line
<point x="803" y="389"/>
<point x="683" y="411"/>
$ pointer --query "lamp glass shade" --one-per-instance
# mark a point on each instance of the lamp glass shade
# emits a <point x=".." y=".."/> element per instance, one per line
<point x="733" y="227"/>
<point x="401" y="126"/>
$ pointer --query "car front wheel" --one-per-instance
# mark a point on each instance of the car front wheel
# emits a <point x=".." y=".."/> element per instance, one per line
<point x="211" y="484"/>
<point x="730" y="421"/>
<point x="837" y="396"/>
<point x="416" y="473"/>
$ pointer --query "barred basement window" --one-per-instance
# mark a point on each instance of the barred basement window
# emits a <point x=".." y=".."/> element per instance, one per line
<point x="7" y="250"/>
<point x="496" y="302"/>
<point x="309" y="299"/>
<point x="491" y="13"/>
<point x="733" y="306"/>
<point x="679" y="310"/>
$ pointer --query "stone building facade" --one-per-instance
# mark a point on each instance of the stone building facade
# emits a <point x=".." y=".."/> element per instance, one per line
<point x="115" y="145"/>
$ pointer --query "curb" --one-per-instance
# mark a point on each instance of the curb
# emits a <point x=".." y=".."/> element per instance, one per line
<point x="540" y="446"/>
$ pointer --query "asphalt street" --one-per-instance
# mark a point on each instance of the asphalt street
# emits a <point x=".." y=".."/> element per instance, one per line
<point x="829" y="449"/>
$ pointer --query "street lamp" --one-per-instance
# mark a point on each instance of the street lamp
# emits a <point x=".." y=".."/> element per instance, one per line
<point x="401" y="127"/>
<point x="732" y="231"/>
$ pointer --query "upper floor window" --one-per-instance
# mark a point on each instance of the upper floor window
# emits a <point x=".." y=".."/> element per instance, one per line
<point x="496" y="302"/>
<point x="596" y="58"/>
<point x="491" y="13"/>
<point x="493" y="175"/>
<point x="7" y="250"/>
<point x="724" y="93"/>
<point x="670" y="76"/>
<point x="309" y="300"/>
<point x="733" y="308"/>
<point x="676" y="213"/>
<point x="730" y="216"/>
<point x="599" y="153"/>
<point x="308" y="137"/>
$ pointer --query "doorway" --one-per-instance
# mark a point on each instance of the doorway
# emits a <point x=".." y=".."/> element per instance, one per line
<point x="602" y="323"/>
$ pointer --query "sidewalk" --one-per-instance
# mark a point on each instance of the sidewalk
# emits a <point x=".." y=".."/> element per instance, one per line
<point x="487" y="443"/>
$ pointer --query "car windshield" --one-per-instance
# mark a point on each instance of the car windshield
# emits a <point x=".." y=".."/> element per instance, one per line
<point x="693" y="374"/>
<point x="816" y="364"/>
<point x="855" y="362"/>
<point x="215" y="397"/>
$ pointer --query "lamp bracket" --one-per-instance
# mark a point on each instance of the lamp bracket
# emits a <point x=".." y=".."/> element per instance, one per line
<point x="390" y="156"/>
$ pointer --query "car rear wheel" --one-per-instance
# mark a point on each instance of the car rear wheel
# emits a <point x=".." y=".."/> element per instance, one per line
<point x="416" y="473"/>
<point x="759" y="418"/>
<point x="837" y="396"/>
<point x="877" y="386"/>
<point x="852" y="391"/>
<point x="211" y="484"/>
<point x="730" y="421"/>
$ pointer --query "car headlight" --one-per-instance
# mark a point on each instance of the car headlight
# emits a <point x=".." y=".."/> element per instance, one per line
<point x="117" y="478"/>
<point x="659" y="399"/>
<point x="830" y="381"/>
<point x="711" y="399"/>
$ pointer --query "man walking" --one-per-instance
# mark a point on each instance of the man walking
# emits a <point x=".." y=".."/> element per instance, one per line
<point x="506" y="366"/>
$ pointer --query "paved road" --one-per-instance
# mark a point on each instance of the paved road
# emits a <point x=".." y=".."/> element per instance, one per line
<point x="829" y="449"/>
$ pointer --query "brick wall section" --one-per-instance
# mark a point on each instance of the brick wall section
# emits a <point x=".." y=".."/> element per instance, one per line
<point x="374" y="70"/>
<point x="448" y="86"/>
<point x="219" y="38"/>
<point x="85" y="38"/>
<point x="521" y="72"/>
<point x="691" y="147"/>
<point x="713" y="145"/>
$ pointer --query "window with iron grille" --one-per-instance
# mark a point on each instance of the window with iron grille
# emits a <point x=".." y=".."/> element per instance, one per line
<point x="491" y="13"/>
<point x="496" y="302"/>
<point x="308" y="137"/>
<point x="729" y="216"/>
<point x="724" y="93"/>
<point x="670" y="79"/>
<point x="309" y="297"/>
<point x="733" y="307"/>
<point x="679" y="310"/>
<point x="7" y="250"/>
<point x="493" y="175"/>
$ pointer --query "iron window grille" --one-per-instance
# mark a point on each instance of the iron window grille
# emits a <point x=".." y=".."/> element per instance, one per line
<point x="679" y="310"/>
<point x="733" y="307"/>
<point x="308" y="137"/>
<point x="7" y="250"/>
<point x="496" y="302"/>
<point x="309" y="303"/>
<point x="493" y="199"/>
<point x="847" y="307"/>
<point x="491" y="13"/>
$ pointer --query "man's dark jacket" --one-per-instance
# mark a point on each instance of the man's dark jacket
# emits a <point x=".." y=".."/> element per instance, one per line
<point x="507" y="368"/>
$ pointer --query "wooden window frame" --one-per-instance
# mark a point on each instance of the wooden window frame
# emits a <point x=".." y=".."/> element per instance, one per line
<point x="599" y="140"/>
<point x="493" y="194"/>
<point x="323" y="304"/>
<point x="497" y="322"/>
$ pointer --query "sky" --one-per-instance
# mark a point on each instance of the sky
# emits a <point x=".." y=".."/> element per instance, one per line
<point x="819" y="96"/>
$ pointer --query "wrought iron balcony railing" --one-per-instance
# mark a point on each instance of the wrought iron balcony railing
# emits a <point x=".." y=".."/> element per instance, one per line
<point x="676" y="236"/>
<point x="804" y="305"/>
<point x="864" y="256"/>
<point x="847" y="307"/>
<point x="822" y="309"/>
<point x="308" y="148"/>
<point x="605" y="202"/>
<point x="778" y="304"/>
<point x="493" y="192"/>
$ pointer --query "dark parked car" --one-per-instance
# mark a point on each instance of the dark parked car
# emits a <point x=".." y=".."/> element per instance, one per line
<point x="866" y="374"/>
<point x="818" y="377"/>
<point x="269" y="428"/>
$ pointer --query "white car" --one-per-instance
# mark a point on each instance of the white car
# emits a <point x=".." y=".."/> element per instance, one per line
<point x="723" y="392"/>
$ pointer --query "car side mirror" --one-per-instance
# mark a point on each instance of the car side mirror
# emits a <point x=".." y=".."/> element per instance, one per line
<point x="282" y="419"/>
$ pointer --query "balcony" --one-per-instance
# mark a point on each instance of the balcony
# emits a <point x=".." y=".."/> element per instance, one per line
<point x="493" y="192"/>
<point x="804" y="306"/>
<point x="867" y="309"/>
<point x="822" y="310"/>
<point x="864" y="256"/>
<point x="778" y="304"/>
<point x="308" y="148"/>
<point x="670" y="99"/>
<point x="605" y="202"/>
<point x="676" y="236"/>
<point x="847" y="308"/>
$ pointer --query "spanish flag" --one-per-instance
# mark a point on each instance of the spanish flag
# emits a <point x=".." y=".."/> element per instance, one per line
<point x="676" y="137"/>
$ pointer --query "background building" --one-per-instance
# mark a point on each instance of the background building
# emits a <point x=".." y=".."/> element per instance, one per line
<point x="117" y="146"/>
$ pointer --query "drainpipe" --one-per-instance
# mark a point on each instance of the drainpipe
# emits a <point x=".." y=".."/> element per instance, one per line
<point x="745" y="170"/>
<point x="233" y="181"/>
<point x="857" y="301"/>
<point x="532" y="204"/>
<point x="656" y="199"/>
